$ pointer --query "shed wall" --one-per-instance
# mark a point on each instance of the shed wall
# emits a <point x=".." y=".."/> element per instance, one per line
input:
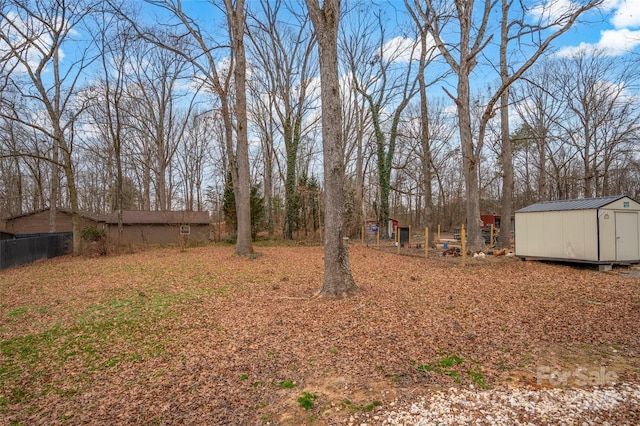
<point x="608" y="231"/>
<point x="625" y="203"/>
<point x="570" y="235"/>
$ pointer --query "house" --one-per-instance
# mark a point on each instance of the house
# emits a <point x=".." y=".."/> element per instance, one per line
<point x="159" y="227"/>
<point x="37" y="222"/>
<point x="139" y="227"/>
<point x="603" y="230"/>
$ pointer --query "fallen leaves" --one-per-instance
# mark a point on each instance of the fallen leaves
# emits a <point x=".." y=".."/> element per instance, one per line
<point x="203" y="337"/>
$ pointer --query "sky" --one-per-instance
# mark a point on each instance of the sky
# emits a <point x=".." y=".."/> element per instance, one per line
<point x="615" y="31"/>
<point x="615" y="28"/>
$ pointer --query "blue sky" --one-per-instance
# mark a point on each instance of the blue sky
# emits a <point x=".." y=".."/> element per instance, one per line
<point x="615" y="28"/>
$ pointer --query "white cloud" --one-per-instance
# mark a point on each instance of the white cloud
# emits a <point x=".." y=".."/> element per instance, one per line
<point x="553" y="10"/>
<point x="611" y="43"/>
<point x="32" y="50"/>
<point x="627" y="14"/>
<point x="399" y="49"/>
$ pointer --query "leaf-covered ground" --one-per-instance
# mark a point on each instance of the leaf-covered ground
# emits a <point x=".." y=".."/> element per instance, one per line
<point x="203" y="337"/>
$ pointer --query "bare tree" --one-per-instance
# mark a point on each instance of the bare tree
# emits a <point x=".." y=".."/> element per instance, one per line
<point x="12" y="181"/>
<point x="539" y="108"/>
<point x="35" y="33"/>
<point x="159" y="112"/>
<point x="242" y="180"/>
<point x="200" y="50"/>
<point x="283" y="52"/>
<point x="109" y="111"/>
<point x="262" y="117"/>
<point x="601" y="119"/>
<point x="551" y="25"/>
<point x="471" y="23"/>
<point x="358" y="150"/>
<point x="427" y="55"/>
<point x="371" y="63"/>
<point x="338" y="281"/>
<point x="192" y="156"/>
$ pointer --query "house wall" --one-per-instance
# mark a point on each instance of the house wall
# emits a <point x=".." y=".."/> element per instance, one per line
<point x="567" y="235"/>
<point x="38" y="223"/>
<point x="158" y="233"/>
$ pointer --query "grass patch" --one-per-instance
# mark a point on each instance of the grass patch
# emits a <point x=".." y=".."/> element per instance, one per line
<point x="103" y="337"/>
<point x="306" y="400"/>
<point x="17" y="312"/>
<point x="368" y="407"/>
<point x="288" y="384"/>
<point x="372" y="406"/>
<point x="451" y="366"/>
<point x="393" y="377"/>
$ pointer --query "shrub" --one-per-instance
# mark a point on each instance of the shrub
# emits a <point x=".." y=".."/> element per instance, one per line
<point x="93" y="234"/>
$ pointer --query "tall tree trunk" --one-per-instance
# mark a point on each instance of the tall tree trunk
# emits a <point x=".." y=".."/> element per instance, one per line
<point x="506" y="205"/>
<point x="338" y="281"/>
<point x="119" y="189"/>
<point x="291" y="147"/>
<point x="242" y="186"/>
<point x="541" y="143"/>
<point x="359" y="172"/>
<point x="469" y="162"/>
<point x="427" y="174"/>
<point x="55" y="186"/>
<point x="73" y="201"/>
<point x="268" y="182"/>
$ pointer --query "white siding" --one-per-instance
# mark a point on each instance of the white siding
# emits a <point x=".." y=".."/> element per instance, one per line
<point x="557" y="234"/>
<point x="574" y="234"/>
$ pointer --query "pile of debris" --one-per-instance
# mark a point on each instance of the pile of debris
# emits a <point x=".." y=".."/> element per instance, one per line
<point x="456" y="251"/>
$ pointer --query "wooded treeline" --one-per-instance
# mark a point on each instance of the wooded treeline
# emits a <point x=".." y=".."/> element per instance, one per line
<point x="104" y="109"/>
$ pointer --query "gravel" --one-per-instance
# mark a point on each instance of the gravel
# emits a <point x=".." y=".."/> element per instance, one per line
<point x="611" y="405"/>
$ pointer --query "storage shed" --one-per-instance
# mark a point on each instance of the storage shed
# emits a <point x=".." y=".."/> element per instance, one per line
<point x="603" y="230"/>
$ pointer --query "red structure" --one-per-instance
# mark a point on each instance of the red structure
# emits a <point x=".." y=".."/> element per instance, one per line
<point x="493" y="219"/>
<point x="489" y="219"/>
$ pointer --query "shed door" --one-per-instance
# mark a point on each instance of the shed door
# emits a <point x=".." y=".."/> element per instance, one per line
<point x="627" y="236"/>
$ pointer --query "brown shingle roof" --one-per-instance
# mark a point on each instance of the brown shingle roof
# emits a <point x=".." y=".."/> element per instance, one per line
<point x="96" y="217"/>
<point x="130" y="217"/>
